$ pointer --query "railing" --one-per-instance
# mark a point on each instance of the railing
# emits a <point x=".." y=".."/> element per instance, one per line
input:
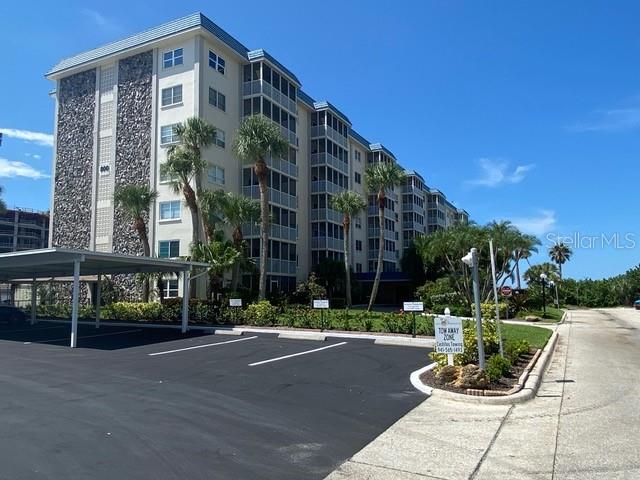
<point x="283" y="166"/>
<point x="326" y="214"/>
<point x="328" y="159"/>
<point x="412" y="207"/>
<point x="327" y="242"/>
<point x="278" y="266"/>
<point x="389" y="214"/>
<point x="275" y="196"/>
<point x="411" y="225"/>
<point x="326" y="131"/>
<point x="375" y="233"/>
<point x="255" y="87"/>
<point x="275" y="231"/>
<point x="320" y="186"/>
<point x="386" y="255"/>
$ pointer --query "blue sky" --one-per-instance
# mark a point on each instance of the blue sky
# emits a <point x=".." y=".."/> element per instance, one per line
<point x="528" y="111"/>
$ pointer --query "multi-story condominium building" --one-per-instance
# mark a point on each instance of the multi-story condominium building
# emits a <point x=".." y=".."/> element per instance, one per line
<point x="117" y="107"/>
<point x="23" y="229"/>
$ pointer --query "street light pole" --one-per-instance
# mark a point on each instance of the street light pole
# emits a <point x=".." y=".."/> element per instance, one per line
<point x="471" y="259"/>
<point x="543" y="280"/>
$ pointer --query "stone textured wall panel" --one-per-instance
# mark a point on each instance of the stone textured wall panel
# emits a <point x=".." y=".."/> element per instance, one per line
<point x="74" y="161"/>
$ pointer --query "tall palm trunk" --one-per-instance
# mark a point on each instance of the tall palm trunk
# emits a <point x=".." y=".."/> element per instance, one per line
<point x="560" y="270"/>
<point x="237" y="242"/>
<point x="518" y="271"/>
<point x="192" y="203"/>
<point x="141" y="228"/>
<point x="376" y="281"/>
<point x="346" y="223"/>
<point x="262" y="171"/>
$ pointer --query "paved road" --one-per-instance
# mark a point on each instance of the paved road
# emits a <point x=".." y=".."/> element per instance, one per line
<point x="584" y="423"/>
<point x="111" y="410"/>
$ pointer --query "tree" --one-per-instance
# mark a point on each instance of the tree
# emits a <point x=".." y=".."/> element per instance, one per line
<point x="211" y="208"/>
<point x="560" y="254"/>
<point x="221" y="257"/>
<point x="3" y="204"/>
<point x="259" y="138"/>
<point x="532" y="275"/>
<point x="379" y="178"/>
<point x="238" y="210"/>
<point x="185" y="164"/>
<point x="135" y="201"/>
<point x="348" y="203"/>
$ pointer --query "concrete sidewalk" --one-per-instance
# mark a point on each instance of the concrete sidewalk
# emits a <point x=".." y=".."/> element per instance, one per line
<point x="583" y="424"/>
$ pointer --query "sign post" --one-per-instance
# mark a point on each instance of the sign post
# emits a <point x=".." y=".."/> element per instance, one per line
<point x="449" y="336"/>
<point x="321" y="305"/>
<point x="236" y="305"/>
<point x="413" y="307"/>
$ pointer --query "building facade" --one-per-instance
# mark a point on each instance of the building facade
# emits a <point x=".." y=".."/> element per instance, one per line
<point x="116" y="111"/>
<point x="23" y="229"/>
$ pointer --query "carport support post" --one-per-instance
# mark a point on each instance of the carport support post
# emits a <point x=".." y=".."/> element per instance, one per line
<point x="185" y="300"/>
<point x="98" y="295"/>
<point x="74" y="303"/>
<point x="33" y="301"/>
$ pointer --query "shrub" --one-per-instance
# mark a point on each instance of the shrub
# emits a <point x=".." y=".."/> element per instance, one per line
<point x="307" y="291"/>
<point x="364" y="321"/>
<point x="497" y="367"/>
<point x="389" y="323"/>
<point x="260" y="314"/>
<point x="470" y="355"/>
<point x="456" y="310"/>
<point x="514" y="349"/>
<point x="425" y="326"/>
<point x="488" y="310"/>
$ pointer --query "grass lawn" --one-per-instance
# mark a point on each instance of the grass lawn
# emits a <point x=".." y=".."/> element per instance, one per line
<point x="553" y="314"/>
<point x="536" y="336"/>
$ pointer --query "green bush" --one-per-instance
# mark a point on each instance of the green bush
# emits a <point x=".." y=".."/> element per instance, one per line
<point x="425" y="326"/>
<point x="456" y="310"/>
<point x="497" y="367"/>
<point x="389" y="323"/>
<point x="514" y="349"/>
<point x="488" y="310"/>
<point x="470" y="355"/>
<point x="364" y="321"/>
<point x="260" y="314"/>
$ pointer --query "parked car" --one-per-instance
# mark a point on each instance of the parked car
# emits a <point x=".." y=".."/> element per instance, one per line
<point x="10" y="315"/>
<point x="636" y="304"/>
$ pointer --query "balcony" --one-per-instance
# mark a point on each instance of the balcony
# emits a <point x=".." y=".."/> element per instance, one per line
<point x="323" y="186"/>
<point x="256" y="87"/>
<point x="388" y="234"/>
<point x="326" y="214"/>
<point x="388" y="256"/>
<point x="283" y="166"/>
<point x="326" y="131"/>
<point x="411" y="225"/>
<point x="277" y="232"/>
<point x="388" y="213"/>
<point x="280" y="198"/>
<point x="322" y="243"/>
<point x="412" y="207"/>
<point x="327" y="159"/>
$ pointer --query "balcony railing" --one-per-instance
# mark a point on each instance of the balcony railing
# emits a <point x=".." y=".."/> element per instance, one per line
<point x="321" y="186"/>
<point x="375" y="233"/>
<point x="389" y="256"/>
<point x="256" y="87"/>
<point x="283" y="166"/>
<point x="389" y="214"/>
<point x="275" y="232"/>
<point x="411" y="225"/>
<point x="326" y="214"/>
<point x="321" y="243"/>
<point x="326" y="131"/>
<point x="327" y="159"/>
<point x="275" y="196"/>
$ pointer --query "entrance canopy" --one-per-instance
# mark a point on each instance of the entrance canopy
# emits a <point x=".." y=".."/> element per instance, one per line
<point x="33" y="265"/>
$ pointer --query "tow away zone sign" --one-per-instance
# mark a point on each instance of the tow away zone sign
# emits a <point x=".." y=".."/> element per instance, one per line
<point x="449" y="337"/>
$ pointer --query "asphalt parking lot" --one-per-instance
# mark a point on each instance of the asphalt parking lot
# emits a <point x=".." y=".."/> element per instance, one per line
<point x="142" y="403"/>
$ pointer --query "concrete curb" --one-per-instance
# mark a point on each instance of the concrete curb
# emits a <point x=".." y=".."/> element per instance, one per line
<point x="319" y="337"/>
<point x="224" y="331"/>
<point x="417" y="383"/>
<point x="528" y="391"/>
<point x="405" y="342"/>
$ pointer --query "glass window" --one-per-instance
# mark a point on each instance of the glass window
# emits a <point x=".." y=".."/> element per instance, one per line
<point x="220" y="138"/>
<point x="171" y="95"/>
<point x="171" y="289"/>
<point x="168" y="134"/>
<point x="216" y="62"/>
<point x="169" y="248"/>
<point x="246" y="73"/>
<point x="266" y="73"/>
<point x="266" y="107"/>
<point x="172" y="58"/>
<point x="217" y="99"/>
<point x="216" y="174"/>
<point x="170" y="210"/>
<point x="246" y="110"/>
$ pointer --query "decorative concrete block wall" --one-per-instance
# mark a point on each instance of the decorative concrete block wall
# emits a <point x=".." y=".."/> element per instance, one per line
<point x="74" y="161"/>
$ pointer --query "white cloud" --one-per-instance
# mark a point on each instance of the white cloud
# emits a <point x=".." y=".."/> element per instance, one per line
<point x="11" y="169"/>
<point x="33" y="155"/>
<point x="101" y="21"/>
<point x="538" y="224"/>
<point x="614" y="120"/>
<point x="44" y="139"/>
<point x="495" y="172"/>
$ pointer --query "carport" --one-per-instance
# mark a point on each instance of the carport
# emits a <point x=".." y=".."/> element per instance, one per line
<point x="68" y="264"/>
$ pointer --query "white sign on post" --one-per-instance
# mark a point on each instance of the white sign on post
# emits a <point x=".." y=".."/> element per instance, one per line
<point x="413" y="306"/>
<point x="323" y="304"/>
<point x="235" y="302"/>
<point x="449" y="337"/>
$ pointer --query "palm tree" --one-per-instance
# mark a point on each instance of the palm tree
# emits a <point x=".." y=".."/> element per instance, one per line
<point x="349" y="203"/>
<point x="185" y="164"/>
<point x="237" y="211"/>
<point x="210" y="203"/>
<point x="257" y="139"/>
<point x="379" y="178"/>
<point x="135" y="202"/>
<point x="560" y="253"/>
<point x="221" y="256"/>
<point x="3" y="204"/>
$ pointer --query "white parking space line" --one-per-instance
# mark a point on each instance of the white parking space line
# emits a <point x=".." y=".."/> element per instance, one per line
<point x="296" y="354"/>
<point x="86" y="336"/>
<point x="201" y="346"/>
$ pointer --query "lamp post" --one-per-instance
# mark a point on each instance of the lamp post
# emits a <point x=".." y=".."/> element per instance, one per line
<point x="543" y="281"/>
<point x="471" y="259"/>
<point x="554" y="286"/>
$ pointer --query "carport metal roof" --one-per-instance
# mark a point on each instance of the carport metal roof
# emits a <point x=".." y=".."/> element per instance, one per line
<point x="46" y="263"/>
<point x="59" y="262"/>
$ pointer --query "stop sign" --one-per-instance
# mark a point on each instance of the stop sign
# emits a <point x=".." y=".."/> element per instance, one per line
<point x="505" y="291"/>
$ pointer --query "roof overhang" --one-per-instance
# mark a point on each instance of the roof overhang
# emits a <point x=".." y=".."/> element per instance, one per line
<point x="59" y="262"/>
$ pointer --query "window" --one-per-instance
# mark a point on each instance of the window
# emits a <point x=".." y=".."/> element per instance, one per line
<point x="358" y="178"/>
<point x="217" y="99"/>
<point x="171" y="289"/>
<point x="219" y="139"/>
<point x="358" y="268"/>
<point x="358" y="222"/>
<point x="168" y="134"/>
<point x="170" y="210"/>
<point x="359" y="245"/>
<point x="171" y="95"/>
<point x="216" y="174"/>
<point x="172" y="58"/>
<point x="169" y="248"/>
<point x="216" y="62"/>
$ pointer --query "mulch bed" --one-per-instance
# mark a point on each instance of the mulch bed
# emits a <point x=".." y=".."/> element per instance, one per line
<point x="505" y="383"/>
